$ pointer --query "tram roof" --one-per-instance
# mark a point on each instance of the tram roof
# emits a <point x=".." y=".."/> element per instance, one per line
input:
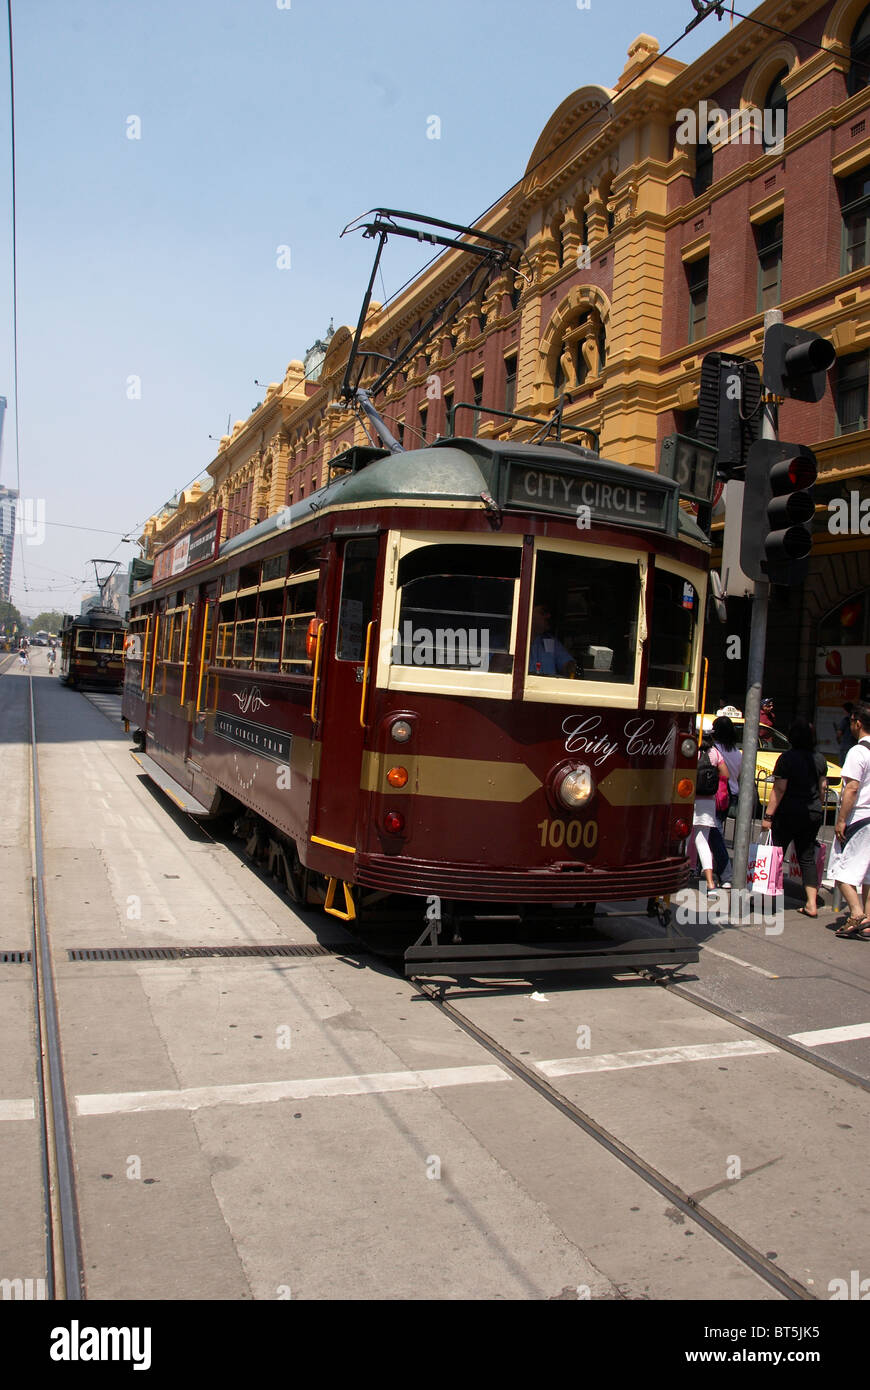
<point x="459" y="470"/>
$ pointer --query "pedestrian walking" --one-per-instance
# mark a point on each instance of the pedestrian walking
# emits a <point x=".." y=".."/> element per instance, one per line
<point x="22" y="657"/>
<point x="849" y="865"/>
<point x="845" y="737"/>
<point x="766" y="722"/>
<point x="52" y="658"/>
<point x="711" y="770"/>
<point x="725" y="742"/>
<point x="795" y="805"/>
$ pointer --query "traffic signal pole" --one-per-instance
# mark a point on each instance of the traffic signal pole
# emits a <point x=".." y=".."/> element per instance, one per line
<point x="752" y="703"/>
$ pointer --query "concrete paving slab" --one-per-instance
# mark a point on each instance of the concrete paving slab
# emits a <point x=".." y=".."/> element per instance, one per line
<point x="159" y="1233"/>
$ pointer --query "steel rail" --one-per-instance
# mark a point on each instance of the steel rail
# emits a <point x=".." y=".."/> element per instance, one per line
<point x="65" y="1277"/>
<point x="751" y="1257"/>
<point x="775" y="1039"/>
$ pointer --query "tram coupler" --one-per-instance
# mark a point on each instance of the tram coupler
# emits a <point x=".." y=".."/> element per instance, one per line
<point x="660" y="908"/>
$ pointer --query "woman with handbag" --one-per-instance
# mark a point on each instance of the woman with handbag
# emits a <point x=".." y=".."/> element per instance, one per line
<point x="794" y="807"/>
<point x="712" y="773"/>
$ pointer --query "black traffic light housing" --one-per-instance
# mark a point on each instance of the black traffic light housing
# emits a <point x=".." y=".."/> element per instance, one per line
<point x="778" y="511"/>
<point x="797" y="362"/>
<point x="729" y="419"/>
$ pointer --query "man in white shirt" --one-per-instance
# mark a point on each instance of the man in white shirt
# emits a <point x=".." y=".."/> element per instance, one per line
<point x="850" y="860"/>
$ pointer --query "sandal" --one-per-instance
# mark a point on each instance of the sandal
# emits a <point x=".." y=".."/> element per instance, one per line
<point x="804" y="913"/>
<point x="853" y="927"/>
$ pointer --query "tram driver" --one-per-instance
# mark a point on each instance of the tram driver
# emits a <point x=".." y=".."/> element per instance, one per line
<point x="547" y="656"/>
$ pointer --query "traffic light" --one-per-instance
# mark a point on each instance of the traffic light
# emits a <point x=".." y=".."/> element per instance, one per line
<point x="729" y="419"/>
<point x="778" y="509"/>
<point x="797" y="362"/>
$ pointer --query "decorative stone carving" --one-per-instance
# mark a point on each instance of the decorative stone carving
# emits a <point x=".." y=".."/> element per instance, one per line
<point x="591" y="354"/>
<point x="572" y="237"/>
<point x="596" y="219"/>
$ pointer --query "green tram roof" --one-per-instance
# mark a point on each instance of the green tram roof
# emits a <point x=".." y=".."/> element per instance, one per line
<point x="459" y="470"/>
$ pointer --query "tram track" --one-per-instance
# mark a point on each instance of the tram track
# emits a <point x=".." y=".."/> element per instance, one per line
<point x="65" y="1272"/>
<point x="750" y="1256"/>
<point x="63" y="1251"/>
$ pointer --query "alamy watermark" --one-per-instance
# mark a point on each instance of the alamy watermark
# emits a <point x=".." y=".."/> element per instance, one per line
<point x="728" y="906"/>
<point x="746" y="126"/>
<point x="462" y="647"/>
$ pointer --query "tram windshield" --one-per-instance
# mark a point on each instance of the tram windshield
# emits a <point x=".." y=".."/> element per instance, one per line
<point x="457" y="604"/>
<point x="584" y="618"/>
<point x="674" y="623"/>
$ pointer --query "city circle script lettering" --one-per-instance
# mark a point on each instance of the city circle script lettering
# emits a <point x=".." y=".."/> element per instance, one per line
<point x="585" y="735"/>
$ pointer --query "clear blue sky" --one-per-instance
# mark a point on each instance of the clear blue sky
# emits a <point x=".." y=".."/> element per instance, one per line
<point x="260" y="126"/>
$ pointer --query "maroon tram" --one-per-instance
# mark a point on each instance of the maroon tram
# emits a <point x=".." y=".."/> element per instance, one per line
<point x="467" y="674"/>
<point x="92" y="649"/>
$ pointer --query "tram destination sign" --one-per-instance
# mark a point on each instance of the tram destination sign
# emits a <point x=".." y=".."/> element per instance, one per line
<point x="607" y="496"/>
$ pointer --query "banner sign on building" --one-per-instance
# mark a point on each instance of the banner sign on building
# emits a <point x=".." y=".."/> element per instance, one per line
<point x="196" y="546"/>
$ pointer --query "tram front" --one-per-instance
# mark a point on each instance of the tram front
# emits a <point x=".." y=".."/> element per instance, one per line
<point x="534" y="690"/>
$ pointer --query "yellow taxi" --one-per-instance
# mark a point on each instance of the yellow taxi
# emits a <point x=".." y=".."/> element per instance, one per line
<point x="769" y="751"/>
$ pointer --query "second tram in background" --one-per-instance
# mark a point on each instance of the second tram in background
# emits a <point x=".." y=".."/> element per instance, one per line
<point x="92" y="650"/>
<point x="466" y="675"/>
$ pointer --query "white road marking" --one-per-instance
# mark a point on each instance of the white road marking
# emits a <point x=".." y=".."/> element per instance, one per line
<point x="258" y="1092"/>
<point x="847" y="1033"/>
<point x="376" y="1083"/>
<point x="17" y="1110"/>
<point x="653" y="1057"/>
<point x="709" y="951"/>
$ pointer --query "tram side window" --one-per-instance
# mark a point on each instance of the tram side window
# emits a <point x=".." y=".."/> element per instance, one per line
<point x="84" y="640"/>
<point x="268" y="649"/>
<point x="135" y="639"/>
<point x="457" y="605"/>
<point x="357" y="597"/>
<point x="301" y="601"/>
<point x="672" y="631"/>
<point x="275" y="568"/>
<point x="584" y="618"/>
<point x="246" y="622"/>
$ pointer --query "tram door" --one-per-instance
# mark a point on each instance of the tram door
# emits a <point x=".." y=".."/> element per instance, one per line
<point x="152" y="672"/>
<point x="341" y="688"/>
<point x="202" y="611"/>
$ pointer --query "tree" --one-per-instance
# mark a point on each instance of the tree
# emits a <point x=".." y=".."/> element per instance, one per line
<point x="47" y="622"/>
<point x="10" y="616"/>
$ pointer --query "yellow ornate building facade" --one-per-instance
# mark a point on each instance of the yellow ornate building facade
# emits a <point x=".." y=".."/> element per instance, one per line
<point x="642" y="251"/>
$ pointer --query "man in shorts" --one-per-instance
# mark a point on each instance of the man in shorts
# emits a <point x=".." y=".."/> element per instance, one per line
<point x="849" y="865"/>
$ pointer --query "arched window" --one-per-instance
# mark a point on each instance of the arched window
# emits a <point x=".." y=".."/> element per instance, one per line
<point x="775" y="113"/>
<point x="859" y="54"/>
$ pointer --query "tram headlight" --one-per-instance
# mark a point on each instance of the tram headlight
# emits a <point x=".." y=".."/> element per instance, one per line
<point x="575" y="788"/>
<point x="688" y="748"/>
<point x="400" y="730"/>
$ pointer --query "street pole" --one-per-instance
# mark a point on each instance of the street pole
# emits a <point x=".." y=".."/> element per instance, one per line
<point x="755" y="675"/>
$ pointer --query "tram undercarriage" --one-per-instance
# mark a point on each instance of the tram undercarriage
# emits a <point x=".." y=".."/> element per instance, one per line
<point x="466" y="938"/>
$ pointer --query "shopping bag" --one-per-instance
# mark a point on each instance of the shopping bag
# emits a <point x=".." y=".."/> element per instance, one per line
<point x="764" y="870"/>
<point x="792" y="863"/>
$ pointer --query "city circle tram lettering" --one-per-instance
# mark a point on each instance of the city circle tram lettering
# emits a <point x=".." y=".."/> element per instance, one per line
<point x="245" y="734"/>
<point x="607" y="501"/>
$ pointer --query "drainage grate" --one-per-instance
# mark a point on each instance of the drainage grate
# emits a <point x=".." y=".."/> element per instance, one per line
<point x="188" y="952"/>
<point x="14" y="957"/>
